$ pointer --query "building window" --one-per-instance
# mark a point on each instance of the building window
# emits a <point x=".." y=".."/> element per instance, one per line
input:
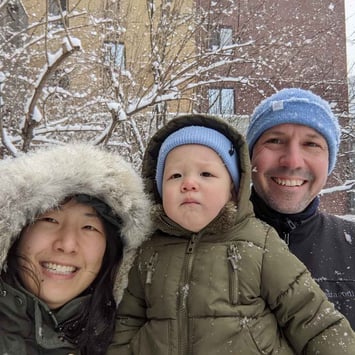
<point x="221" y="101"/>
<point x="114" y="54"/>
<point x="56" y="8"/>
<point x="221" y="37"/>
<point x="15" y="18"/>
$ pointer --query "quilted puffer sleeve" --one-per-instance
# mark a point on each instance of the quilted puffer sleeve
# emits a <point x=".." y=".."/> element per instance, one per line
<point x="131" y="315"/>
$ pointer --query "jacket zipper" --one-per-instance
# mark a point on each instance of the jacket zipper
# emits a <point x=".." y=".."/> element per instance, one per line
<point x="151" y="268"/>
<point x="149" y="276"/>
<point x="286" y="235"/>
<point x="233" y="283"/>
<point x="183" y="324"/>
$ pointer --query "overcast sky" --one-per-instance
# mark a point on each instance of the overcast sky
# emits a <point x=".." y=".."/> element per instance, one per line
<point x="350" y="33"/>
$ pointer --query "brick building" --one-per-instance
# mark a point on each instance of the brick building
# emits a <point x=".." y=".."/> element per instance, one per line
<point x="295" y="44"/>
<point x="260" y="46"/>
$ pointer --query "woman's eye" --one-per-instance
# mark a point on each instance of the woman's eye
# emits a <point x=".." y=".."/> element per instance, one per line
<point x="91" y="228"/>
<point x="46" y="219"/>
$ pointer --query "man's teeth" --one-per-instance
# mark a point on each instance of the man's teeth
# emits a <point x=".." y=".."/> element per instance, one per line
<point x="62" y="269"/>
<point x="288" y="182"/>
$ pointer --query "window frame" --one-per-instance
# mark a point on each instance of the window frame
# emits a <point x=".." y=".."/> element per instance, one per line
<point x="222" y="36"/>
<point x="221" y="101"/>
<point x="114" y="53"/>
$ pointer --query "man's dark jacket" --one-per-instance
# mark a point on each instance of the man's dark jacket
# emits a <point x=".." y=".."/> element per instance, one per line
<point x="324" y="243"/>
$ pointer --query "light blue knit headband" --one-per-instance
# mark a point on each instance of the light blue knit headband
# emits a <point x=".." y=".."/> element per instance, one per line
<point x="199" y="135"/>
<point x="296" y="106"/>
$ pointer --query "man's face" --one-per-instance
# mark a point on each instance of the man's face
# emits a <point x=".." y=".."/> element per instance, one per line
<point x="289" y="166"/>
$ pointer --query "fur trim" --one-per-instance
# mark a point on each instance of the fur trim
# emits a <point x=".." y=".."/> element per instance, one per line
<point x="38" y="181"/>
<point x="222" y="223"/>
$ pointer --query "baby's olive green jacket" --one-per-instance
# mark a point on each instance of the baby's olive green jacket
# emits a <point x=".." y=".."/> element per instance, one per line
<point x="232" y="288"/>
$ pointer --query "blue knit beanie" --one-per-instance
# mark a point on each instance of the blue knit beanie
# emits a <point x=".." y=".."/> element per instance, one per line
<point x="296" y="106"/>
<point x="199" y="135"/>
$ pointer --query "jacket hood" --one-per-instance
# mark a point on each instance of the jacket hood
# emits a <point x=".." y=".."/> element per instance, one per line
<point x="151" y="155"/>
<point x="38" y="181"/>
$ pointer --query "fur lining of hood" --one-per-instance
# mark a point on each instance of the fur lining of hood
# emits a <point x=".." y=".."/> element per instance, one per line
<point x="38" y="181"/>
<point x="223" y="223"/>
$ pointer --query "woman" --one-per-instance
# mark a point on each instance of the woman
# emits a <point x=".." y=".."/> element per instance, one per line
<point x="71" y="216"/>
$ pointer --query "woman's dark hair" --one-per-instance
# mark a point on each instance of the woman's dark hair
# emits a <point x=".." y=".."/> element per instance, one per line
<point x="92" y="330"/>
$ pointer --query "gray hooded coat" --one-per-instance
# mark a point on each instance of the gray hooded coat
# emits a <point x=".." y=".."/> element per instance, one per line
<point x="34" y="183"/>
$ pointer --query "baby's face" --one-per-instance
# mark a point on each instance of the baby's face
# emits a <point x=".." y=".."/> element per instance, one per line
<point x="196" y="186"/>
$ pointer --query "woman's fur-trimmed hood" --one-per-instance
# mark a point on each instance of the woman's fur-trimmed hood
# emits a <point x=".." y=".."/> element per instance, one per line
<point x="38" y="181"/>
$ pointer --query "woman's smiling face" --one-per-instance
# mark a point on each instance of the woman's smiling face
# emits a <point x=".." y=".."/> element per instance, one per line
<point x="64" y="248"/>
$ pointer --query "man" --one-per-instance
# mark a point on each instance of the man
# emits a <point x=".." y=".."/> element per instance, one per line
<point x="293" y="140"/>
